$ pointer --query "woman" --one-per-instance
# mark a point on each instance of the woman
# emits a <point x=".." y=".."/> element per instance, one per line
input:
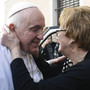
<point x="74" y="39"/>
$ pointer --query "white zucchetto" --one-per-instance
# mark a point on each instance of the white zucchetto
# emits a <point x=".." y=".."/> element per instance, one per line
<point x="18" y="7"/>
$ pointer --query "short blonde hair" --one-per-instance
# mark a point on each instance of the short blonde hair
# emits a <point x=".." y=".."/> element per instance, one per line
<point x="76" y="22"/>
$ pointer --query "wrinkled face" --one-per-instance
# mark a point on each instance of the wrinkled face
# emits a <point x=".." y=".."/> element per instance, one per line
<point x="30" y="32"/>
<point x="64" y="42"/>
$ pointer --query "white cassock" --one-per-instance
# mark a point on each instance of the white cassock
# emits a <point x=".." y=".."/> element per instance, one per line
<point x="6" y="82"/>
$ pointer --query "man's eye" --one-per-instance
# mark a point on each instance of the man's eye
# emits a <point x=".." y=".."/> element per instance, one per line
<point x="32" y="30"/>
<point x="35" y="30"/>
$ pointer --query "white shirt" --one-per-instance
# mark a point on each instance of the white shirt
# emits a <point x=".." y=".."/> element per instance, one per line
<point x="6" y="82"/>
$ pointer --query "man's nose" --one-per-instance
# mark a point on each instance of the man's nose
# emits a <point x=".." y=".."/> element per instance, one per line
<point x="40" y="35"/>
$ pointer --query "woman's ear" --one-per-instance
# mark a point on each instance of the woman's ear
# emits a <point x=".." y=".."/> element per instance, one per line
<point x="12" y="27"/>
<point x="73" y="45"/>
<point x="71" y="41"/>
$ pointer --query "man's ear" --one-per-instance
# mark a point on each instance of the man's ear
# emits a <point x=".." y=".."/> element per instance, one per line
<point x="12" y="27"/>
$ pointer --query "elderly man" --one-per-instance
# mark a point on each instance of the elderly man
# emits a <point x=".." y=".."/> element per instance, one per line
<point x="27" y="21"/>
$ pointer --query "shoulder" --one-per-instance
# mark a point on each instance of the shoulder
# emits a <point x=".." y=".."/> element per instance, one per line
<point x="81" y="69"/>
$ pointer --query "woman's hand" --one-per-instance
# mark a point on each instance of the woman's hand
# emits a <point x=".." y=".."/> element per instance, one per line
<point x="11" y="41"/>
<point x="56" y="60"/>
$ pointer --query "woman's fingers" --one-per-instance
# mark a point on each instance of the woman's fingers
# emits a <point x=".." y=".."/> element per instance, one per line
<point x="61" y="58"/>
<point x="10" y="39"/>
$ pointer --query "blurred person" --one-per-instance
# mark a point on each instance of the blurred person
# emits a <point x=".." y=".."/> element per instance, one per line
<point x="74" y="39"/>
<point x="27" y="22"/>
<point x="48" y="48"/>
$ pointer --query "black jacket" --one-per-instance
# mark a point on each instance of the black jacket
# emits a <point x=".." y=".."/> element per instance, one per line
<point x="48" y="51"/>
<point x="76" y="78"/>
<point x="48" y="70"/>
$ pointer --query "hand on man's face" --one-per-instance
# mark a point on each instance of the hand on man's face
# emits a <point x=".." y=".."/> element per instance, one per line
<point x="10" y="39"/>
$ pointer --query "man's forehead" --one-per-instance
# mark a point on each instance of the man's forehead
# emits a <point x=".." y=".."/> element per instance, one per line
<point x="19" y="7"/>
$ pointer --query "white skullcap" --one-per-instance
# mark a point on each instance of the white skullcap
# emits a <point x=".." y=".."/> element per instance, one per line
<point x="18" y="7"/>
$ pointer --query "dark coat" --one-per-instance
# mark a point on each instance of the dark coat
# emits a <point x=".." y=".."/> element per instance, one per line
<point x="75" y="78"/>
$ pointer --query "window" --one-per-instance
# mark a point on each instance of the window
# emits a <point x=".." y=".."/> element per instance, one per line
<point x="61" y="4"/>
